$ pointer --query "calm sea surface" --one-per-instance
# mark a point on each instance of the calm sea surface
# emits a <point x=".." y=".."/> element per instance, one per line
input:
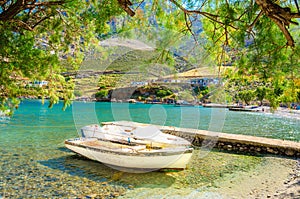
<point x="34" y="162"/>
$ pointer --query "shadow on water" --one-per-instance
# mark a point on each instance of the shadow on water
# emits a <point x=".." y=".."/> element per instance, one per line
<point x="79" y="166"/>
<point x="64" y="149"/>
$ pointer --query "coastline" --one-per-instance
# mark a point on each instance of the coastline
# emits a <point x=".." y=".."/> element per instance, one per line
<point x="279" y="112"/>
<point x="289" y="113"/>
<point x="275" y="177"/>
<point x="46" y="170"/>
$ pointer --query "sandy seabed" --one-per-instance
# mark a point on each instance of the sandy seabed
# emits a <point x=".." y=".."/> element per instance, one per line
<point x="275" y="177"/>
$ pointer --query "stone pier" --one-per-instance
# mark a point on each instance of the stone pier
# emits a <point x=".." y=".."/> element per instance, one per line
<point x="228" y="142"/>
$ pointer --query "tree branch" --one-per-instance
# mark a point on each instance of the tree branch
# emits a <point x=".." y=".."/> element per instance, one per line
<point x="40" y="21"/>
<point x="22" y="24"/>
<point x="210" y="16"/>
<point x="289" y="38"/>
<point x="255" y="20"/>
<point x="193" y="11"/>
<point x="2" y="2"/>
<point x="139" y="4"/>
<point x="125" y="6"/>
<point x="282" y="17"/>
<point x="187" y="23"/>
<point x="21" y="5"/>
<point x="49" y="3"/>
<point x="12" y="11"/>
<point x="296" y="2"/>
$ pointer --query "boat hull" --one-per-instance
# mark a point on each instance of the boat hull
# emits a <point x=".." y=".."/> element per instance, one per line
<point x="136" y="161"/>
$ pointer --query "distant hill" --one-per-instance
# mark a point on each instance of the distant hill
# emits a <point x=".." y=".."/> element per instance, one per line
<point x="200" y="72"/>
<point x="133" y="60"/>
<point x="119" y="64"/>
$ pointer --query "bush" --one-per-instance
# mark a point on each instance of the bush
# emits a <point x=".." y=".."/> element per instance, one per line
<point x="247" y="96"/>
<point x="163" y="93"/>
<point x="102" y="94"/>
<point x="186" y="95"/>
<point x="77" y="93"/>
<point x="261" y="93"/>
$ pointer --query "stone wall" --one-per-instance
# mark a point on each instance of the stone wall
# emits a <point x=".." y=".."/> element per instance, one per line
<point x="228" y="142"/>
<point x="240" y="146"/>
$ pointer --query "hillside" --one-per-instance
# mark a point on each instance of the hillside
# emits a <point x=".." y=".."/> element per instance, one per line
<point x="121" y="66"/>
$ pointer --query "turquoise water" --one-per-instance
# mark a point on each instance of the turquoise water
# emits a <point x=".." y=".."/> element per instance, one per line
<point x="34" y="162"/>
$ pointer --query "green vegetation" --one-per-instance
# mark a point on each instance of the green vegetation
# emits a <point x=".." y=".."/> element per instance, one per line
<point x="102" y="94"/>
<point x="246" y="96"/>
<point x="261" y="93"/>
<point x="186" y="95"/>
<point x="41" y="40"/>
<point x="86" y="87"/>
<point x="121" y="59"/>
<point x="163" y="93"/>
<point x="158" y="92"/>
<point x="249" y="87"/>
<point x="108" y="81"/>
<point x="78" y="93"/>
<point x="201" y="92"/>
<point x="133" y="61"/>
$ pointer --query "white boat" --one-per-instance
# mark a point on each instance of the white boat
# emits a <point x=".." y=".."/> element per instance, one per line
<point x="131" y="154"/>
<point x="141" y="134"/>
<point x="183" y="103"/>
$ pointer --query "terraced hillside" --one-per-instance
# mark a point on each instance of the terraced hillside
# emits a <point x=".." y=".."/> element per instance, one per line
<point x="120" y="70"/>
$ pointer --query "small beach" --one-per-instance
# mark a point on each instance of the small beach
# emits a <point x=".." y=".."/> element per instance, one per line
<point x="274" y="177"/>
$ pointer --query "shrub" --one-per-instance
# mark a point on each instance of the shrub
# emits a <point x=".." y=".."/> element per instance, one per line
<point x="163" y="93"/>
<point x="246" y="96"/>
<point x="77" y="93"/>
<point x="102" y="94"/>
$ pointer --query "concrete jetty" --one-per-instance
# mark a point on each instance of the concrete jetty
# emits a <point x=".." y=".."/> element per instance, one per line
<point x="228" y="142"/>
<point x="212" y="105"/>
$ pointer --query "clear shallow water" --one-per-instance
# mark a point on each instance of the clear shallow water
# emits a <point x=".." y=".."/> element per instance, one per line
<point x="34" y="162"/>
